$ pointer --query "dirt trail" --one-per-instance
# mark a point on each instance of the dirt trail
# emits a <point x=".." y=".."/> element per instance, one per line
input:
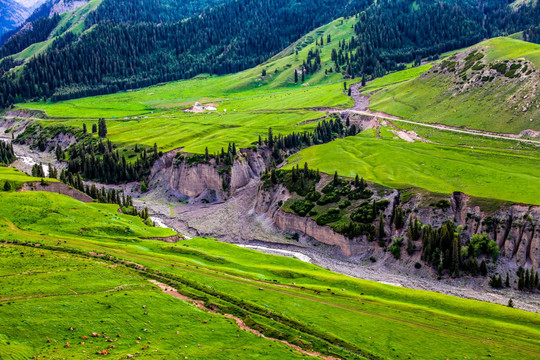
<point x="361" y="103"/>
<point x="239" y="322"/>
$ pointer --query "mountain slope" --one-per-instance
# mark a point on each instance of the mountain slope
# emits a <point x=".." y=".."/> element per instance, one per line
<point x="126" y="53"/>
<point x="491" y="86"/>
<point x="11" y="15"/>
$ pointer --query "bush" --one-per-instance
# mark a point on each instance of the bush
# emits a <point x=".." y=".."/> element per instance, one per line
<point x="395" y="248"/>
<point x="313" y="196"/>
<point x="417" y="265"/>
<point x="373" y="259"/>
<point x="442" y="204"/>
<point x="313" y="213"/>
<point x="344" y="204"/>
<point x="302" y="207"/>
<point x="331" y="216"/>
<point x="360" y="194"/>
<point x="328" y="199"/>
<point x="364" y="214"/>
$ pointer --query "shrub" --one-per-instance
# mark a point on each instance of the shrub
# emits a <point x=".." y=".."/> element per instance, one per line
<point x="313" y="196"/>
<point x="302" y="207"/>
<point x="442" y="204"/>
<point x="328" y="198"/>
<point x="331" y="216"/>
<point x="373" y="259"/>
<point x="328" y="189"/>
<point x="417" y="265"/>
<point x="395" y="248"/>
<point x="313" y="213"/>
<point x="360" y="194"/>
<point x="344" y="204"/>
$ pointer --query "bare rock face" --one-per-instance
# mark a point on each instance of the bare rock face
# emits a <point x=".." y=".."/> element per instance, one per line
<point x="194" y="181"/>
<point x="515" y="228"/>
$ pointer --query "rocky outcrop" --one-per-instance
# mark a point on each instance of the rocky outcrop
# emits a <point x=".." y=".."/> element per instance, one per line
<point x="58" y="188"/>
<point x="205" y="181"/>
<point x="515" y="228"/>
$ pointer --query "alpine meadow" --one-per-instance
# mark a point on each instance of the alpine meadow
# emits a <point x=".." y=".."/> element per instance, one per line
<point x="257" y="179"/>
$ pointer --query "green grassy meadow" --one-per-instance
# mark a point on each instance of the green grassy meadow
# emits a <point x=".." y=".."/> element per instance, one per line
<point x="16" y="177"/>
<point x="477" y="167"/>
<point x="58" y="286"/>
<point x="247" y="103"/>
<point x="495" y="106"/>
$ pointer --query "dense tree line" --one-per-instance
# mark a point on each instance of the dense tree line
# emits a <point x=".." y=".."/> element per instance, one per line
<point x="7" y="156"/>
<point x="34" y="32"/>
<point x="105" y="164"/>
<point x="393" y="32"/>
<point x="532" y="34"/>
<point x="112" y="57"/>
<point x="326" y="131"/>
<point x="151" y="11"/>
<point x="444" y="249"/>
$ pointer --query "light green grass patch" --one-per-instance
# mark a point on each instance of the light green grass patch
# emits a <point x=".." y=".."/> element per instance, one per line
<point x="489" y="173"/>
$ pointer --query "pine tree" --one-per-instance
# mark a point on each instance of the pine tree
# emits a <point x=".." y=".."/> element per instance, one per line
<point x="7" y="186"/>
<point x="350" y="91"/>
<point x="483" y="268"/>
<point x="336" y="179"/>
<point x="264" y="72"/>
<point x="270" y="138"/>
<point x="521" y="282"/>
<point x="380" y="233"/>
<point x="507" y="282"/>
<point x="84" y="129"/>
<point x="363" y="80"/>
<point x="296" y="76"/>
<point x="456" y="245"/>
<point x="102" y="132"/>
<point x="94" y="128"/>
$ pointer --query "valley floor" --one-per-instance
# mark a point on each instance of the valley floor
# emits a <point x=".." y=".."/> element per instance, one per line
<point x="234" y="222"/>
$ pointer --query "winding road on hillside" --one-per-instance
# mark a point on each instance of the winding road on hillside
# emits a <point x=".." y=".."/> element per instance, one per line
<point x="361" y="103"/>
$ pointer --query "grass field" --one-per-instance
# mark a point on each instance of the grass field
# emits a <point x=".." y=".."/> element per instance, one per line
<point x="195" y="132"/>
<point x="246" y="90"/>
<point x="63" y="289"/>
<point x="16" y="177"/>
<point x="495" y="106"/>
<point x="481" y="169"/>
<point x="248" y="103"/>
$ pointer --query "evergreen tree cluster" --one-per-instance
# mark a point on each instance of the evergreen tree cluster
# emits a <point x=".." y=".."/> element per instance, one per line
<point x="105" y="164"/>
<point x="443" y="248"/>
<point x="532" y="34"/>
<point x="528" y="279"/>
<point x="110" y="196"/>
<point x="391" y="33"/>
<point x="7" y="156"/>
<point x="326" y="131"/>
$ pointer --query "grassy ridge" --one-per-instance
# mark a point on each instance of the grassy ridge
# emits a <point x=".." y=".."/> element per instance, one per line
<point x="496" y="105"/>
<point x="16" y="177"/>
<point x="483" y="172"/>
<point x="383" y="320"/>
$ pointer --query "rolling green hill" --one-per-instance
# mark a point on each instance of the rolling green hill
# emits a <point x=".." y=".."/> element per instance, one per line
<point x="89" y="275"/>
<point x="247" y="102"/>
<point x="491" y="86"/>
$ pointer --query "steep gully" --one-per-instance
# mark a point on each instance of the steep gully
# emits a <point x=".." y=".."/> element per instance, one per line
<point x="251" y="216"/>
